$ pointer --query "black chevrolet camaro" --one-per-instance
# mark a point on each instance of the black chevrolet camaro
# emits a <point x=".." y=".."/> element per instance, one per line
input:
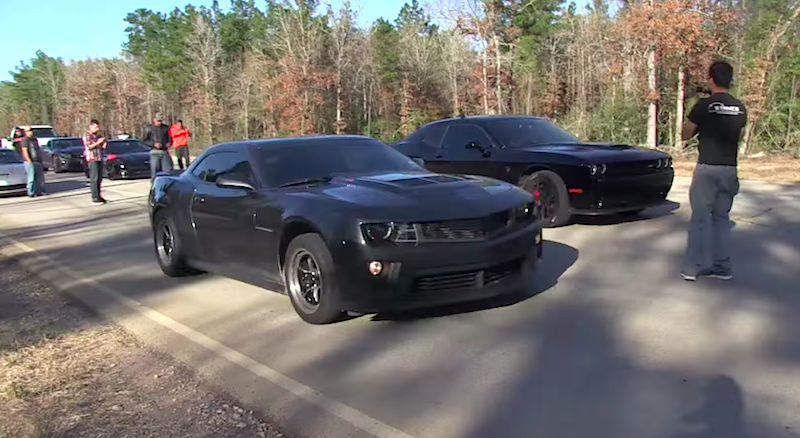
<point x="125" y="159"/>
<point x="569" y="177"/>
<point x="344" y="223"/>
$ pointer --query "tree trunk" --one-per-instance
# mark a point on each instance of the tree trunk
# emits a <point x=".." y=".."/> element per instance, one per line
<point x="456" y="104"/>
<point x="679" y="108"/>
<point x="485" y="78"/>
<point x="652" y="112"/>
<point x="339" y="120"/>
<point x="498" y="83"/>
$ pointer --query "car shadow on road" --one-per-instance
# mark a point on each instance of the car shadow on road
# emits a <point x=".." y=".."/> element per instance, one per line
<point x="557" y="259"/>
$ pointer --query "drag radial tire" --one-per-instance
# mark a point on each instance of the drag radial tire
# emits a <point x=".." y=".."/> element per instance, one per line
<point x="169" y="247"/>
<point x="311" y="282"/>
<point x="552" y="198"/>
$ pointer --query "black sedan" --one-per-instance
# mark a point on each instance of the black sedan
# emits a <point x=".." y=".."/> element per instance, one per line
<point x="125" y="159"/>
<point x="64" y="154"/>
<point x="344" y="223"/>
<point x="569" y="177"/>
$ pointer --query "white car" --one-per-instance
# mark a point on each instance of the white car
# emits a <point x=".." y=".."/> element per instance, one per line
<point x="13" y="178"/>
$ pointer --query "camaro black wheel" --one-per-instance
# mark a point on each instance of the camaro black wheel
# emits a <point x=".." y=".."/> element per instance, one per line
<point x="551" y="196"/>
<point x="310" y="279"/>
<point x="169" y="248"/>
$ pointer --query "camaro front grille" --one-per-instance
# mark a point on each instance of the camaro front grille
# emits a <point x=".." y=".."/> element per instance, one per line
<point x="464" y="229"/>
<point x="468" y="280"/>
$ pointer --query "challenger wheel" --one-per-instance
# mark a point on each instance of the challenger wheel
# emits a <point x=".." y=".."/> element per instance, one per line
<point x="169" y="247"/>
<point x="551" y="196"/>
<point x="310" y="279"/>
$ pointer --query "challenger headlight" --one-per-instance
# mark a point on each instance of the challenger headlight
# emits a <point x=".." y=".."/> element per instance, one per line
<point x="593" y="169"/>
<point x="384" y="232"/>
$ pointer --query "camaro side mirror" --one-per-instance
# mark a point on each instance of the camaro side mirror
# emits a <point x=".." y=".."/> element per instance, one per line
<point x="233" y="183"/>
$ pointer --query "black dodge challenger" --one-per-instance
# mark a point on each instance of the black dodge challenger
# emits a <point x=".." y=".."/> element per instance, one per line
<point x="344" y="223"/>
<point x="568" y="176"/>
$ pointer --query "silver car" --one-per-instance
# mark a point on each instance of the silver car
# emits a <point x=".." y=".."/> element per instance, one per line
<point x="13" y="178"/>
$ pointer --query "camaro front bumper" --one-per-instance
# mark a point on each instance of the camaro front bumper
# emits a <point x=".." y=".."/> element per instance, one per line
<point x="436" y="273"/>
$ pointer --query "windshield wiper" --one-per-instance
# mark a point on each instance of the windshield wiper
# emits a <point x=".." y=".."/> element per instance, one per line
<point x="302" y="182"/>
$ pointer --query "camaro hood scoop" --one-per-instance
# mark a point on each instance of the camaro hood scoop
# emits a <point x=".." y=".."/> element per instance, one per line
<point x="399" y="193"/>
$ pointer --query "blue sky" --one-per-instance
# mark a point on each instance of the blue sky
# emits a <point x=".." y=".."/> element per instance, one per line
<point x="77" y="29"/>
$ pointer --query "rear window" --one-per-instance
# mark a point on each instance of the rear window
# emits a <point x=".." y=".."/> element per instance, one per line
<point x="125" y="147"/>
<point x="7" y="156"/>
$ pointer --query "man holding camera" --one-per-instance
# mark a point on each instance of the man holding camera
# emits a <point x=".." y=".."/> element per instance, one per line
<point x="157" y="137"/>
<point x="718" y="120"/>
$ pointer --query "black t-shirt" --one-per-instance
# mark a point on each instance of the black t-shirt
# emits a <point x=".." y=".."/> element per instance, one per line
<point x="32" y="146"/>
<point x="720" y="119"/>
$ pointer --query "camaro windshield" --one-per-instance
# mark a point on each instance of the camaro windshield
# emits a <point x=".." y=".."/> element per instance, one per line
<point x="283" y="164"/>
<point x="522" y="132"/>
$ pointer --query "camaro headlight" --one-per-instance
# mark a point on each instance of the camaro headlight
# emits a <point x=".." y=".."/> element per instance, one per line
<point x="524" y="213"/>
<point x="389" y="232"/>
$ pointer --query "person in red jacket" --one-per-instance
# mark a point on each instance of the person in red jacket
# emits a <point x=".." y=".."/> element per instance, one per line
<point x="180" y="142"/>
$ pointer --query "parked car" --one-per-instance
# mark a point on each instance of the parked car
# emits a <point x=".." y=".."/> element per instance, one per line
<point x="568" y="176"/>
<point x="64" y="154"/>
<point x="125" y="159"/>
<point x="343" y="223"/>
<point x="13" y="178"/>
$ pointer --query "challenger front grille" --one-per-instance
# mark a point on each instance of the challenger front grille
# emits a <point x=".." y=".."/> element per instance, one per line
<point x="464" y="229"/>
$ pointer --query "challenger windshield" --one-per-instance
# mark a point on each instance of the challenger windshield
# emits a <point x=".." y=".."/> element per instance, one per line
<point x="524" y="132"/>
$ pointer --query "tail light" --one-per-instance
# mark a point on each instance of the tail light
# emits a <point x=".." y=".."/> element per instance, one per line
<point x="110" y="157"/>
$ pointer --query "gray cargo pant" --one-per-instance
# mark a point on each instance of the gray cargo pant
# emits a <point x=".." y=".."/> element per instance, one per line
<point x="711" y="197"/>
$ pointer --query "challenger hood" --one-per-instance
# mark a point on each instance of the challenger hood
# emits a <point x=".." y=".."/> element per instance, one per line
<point x="410" y="196"/>
<point x="601" y="152"/>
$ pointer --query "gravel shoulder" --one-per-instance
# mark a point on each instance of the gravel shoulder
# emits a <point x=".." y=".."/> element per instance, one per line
<point x="68" y="373"/>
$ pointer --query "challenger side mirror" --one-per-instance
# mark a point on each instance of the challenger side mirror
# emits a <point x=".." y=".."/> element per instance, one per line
<point x="227" y="182"/>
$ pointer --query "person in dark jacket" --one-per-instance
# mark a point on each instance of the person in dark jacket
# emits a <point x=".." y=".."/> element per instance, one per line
<point x="157" y="137"/>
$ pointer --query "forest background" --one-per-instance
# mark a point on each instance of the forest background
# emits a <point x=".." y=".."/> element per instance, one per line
<point x="622" y="71"/>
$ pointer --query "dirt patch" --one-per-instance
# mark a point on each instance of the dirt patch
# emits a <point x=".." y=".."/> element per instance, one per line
<point x="67" y="373"/>
<point x="773" y="169"/>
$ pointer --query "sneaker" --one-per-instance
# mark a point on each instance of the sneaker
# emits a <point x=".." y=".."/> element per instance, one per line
<point x="98" y="202"/>
<point x="689" y="277"/>
<point x="725" y="276"/>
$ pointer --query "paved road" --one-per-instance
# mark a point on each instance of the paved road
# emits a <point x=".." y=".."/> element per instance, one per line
<point x="609" y="343"/>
